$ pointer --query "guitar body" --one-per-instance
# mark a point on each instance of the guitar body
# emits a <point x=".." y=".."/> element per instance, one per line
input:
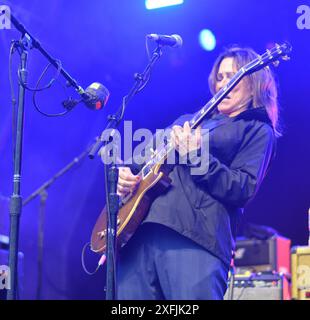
<point x="132" y="212"/>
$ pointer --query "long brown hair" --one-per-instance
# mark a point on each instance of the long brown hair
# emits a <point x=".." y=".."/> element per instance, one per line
<point x="262" y="82"/>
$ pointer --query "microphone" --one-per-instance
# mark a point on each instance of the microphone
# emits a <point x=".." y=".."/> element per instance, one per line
<point x="95" y="96"/>
<point x="174" y="40"/>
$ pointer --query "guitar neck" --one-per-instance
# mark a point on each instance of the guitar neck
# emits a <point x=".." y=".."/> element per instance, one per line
<point x="216" y="100"/>
<point x="163" y="151"/>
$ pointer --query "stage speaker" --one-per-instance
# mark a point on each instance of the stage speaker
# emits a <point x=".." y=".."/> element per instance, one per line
<point x="272" y="254"/>
<point x="258" y="286"/>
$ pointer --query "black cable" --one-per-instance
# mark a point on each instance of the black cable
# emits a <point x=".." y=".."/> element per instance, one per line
<point x="90" y="273"/>
<point x="147" y="47"/>
<point x="35" y="92"/>
<point x="144" y="81"/>
<point x="35" y="89"/>
<point x="42" y="74"/>
<point x="123" y="108"/>
<point x="148" y="75"/>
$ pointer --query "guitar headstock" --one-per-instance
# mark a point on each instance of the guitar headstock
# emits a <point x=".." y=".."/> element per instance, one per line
<point x="274" y="55"/>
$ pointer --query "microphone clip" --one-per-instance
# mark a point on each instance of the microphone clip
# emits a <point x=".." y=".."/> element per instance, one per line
<point x="70" y="103"/>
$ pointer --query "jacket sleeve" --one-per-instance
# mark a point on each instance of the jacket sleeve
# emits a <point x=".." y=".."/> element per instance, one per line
<point x="237" y="184"/>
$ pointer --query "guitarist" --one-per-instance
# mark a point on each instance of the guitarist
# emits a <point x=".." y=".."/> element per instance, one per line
<point x="184" y="247"/>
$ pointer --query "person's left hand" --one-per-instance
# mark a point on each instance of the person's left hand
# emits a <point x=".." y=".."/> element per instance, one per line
<point x="184" y="140"/>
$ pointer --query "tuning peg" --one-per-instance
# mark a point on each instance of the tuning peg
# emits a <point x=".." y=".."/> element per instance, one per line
<point x="286" y="58"/>
<point x="153" y="152"/>
<point x="269" y="53"/>
<point x="276" y="63"/>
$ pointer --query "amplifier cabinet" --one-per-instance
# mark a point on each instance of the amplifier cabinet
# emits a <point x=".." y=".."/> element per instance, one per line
<point x="300" y="259"/>
<point x="256" y="287"/>
<point x="263" y="255"/>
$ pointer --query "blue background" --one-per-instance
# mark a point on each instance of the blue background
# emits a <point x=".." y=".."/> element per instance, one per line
<point x="104" y="41"/>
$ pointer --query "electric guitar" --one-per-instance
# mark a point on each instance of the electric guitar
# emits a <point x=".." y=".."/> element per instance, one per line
<point x="154" y="178"/>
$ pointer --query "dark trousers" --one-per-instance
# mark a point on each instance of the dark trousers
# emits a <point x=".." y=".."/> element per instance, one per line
<point x="159" y="263"/>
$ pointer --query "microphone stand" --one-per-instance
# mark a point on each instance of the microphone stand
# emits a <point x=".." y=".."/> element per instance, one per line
<point x="26" y="42"/>
<point x="42" y="192"/>
<point x="16" y="200"/>
<point x="111" y="173"/>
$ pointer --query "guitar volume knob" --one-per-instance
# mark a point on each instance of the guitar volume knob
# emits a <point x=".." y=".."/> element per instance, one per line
<point x="102" y="233"/>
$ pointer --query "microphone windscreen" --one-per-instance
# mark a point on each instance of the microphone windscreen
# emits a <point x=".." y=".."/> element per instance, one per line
<point x="98" y="96"/>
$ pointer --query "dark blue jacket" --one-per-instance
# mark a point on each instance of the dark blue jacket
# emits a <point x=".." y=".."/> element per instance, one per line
<point x="206" y="208"/>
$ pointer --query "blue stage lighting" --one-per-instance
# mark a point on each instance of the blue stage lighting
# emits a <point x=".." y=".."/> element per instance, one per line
<point x="155" y="4"/>
<point x="207" y="39"/>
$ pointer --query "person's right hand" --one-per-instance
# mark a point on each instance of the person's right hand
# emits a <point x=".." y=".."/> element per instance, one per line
<point x="127" y="181"/>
